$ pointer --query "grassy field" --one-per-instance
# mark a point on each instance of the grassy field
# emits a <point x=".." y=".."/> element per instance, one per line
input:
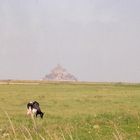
<point x="80" y="111"/>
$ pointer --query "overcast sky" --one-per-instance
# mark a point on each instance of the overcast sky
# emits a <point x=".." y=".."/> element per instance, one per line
<point x="96" y="40"/>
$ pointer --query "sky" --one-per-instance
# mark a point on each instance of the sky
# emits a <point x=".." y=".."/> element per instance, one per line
<point x="95" y="40"/>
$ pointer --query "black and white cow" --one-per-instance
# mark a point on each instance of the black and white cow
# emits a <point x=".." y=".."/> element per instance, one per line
<point x="34" y="109"/>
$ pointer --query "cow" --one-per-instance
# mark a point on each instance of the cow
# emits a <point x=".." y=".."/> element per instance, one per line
<point x="34" y="109"/>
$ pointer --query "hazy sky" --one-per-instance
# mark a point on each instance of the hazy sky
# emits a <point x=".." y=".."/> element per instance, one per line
<point x="96" y="40"/>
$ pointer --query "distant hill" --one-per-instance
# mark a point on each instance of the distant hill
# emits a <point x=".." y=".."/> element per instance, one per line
<point x="59" y="74"/>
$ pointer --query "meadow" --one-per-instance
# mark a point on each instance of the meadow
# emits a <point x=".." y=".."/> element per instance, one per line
<point x="73" y="111"/>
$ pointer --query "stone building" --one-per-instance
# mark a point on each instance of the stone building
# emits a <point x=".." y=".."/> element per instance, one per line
<point x="59" y="74"/>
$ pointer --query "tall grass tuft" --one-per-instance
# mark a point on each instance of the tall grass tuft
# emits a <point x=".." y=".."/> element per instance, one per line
<point x="26" y="129"/>
<point x="13" y="129"/>
<point x="117" y="135"/>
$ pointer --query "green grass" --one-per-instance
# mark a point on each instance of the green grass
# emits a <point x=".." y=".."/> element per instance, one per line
<point x="80" y="111"/>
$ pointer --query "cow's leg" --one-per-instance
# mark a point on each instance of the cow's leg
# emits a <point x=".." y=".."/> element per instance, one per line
<point x="41" y="114"/>
<point x="36" y="114"/>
